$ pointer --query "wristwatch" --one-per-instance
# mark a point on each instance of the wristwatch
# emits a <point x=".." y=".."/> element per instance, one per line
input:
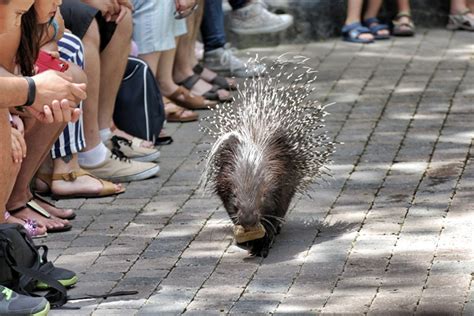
<point x="31" y="92"/>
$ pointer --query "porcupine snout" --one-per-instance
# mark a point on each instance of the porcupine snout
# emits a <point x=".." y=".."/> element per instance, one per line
<point x="248" y="219"/>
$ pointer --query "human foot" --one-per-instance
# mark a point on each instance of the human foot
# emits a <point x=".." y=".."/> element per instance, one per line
<point x="200" y="87"/>
<point x="176" y="113"/>
<point x="34" y="211"/>
<point x="215" y="79"/>
<point x="34" y="229"/>
<point x="356" y="33"/>
<point x="77" y="184"/>
<point x="379" y="30"/>
<point x="403" y="25"/>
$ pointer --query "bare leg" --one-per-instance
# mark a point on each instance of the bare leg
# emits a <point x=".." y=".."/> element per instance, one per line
<point x="354" y="10"/>
<point x="164" y="73"/>
<point x="460" y="6"/>
<point x="153" y="60"/>
<point x="8" y="169"/>
<point x="372" y="11"/>
<point x="470" y="4"/>
<point x="183" y="67"/>
<point x="113" y="61"/>
<point x="91" y="43"/>
<point x="39" y="138"/>
<point x="404" y="6"/>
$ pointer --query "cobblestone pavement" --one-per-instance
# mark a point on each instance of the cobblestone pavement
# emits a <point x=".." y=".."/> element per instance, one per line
<point x="391" y="233"/>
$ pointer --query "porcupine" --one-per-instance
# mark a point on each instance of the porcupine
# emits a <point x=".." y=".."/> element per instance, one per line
<point x="270" y="145"/>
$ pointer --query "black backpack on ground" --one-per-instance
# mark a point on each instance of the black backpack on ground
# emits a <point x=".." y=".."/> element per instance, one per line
<point x="22" y="266"/>
<point x="139" y="108"/>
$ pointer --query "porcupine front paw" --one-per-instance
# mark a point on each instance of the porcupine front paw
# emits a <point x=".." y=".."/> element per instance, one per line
<point x="258" y="247"/>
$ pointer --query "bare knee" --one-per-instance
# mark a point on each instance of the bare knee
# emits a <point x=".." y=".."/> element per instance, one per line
<point x="124" y="29"/>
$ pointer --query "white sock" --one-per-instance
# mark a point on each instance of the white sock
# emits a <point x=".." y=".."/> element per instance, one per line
<point x="105" y="134"/>
<point x="93" y="157"/>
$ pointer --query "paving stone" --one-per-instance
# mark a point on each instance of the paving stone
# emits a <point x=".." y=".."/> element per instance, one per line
<point x="389" y="234"/>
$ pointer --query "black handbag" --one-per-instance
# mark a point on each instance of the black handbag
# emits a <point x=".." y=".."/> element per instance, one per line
<point x="22" y="265"/>
<point x="139" y="108"/>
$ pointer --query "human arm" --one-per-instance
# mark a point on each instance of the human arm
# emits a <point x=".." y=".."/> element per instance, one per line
<point x="18" y="141"/>
<point x="50" y="86"/>
<point x="183" y="5"/>
<point x="112" y="10"/>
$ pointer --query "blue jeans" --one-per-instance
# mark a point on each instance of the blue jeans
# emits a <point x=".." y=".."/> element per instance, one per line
<point x="212" y="25"/>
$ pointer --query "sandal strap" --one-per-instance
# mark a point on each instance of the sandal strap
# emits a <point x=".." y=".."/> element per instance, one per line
<point x="375" y="25"/>
<point x="108" y="188"/>
<point x="372" y="20"/>
<point x="190" y="102"/>
<point x="190" y="81"/>
<point x="356" y="26"/>
<point x="38" y="209"/>
<point x="39" y="198"/>
<point x="71" y="176"/>
<point x="221" y="82"/>
<point x="465" y="12"/>
<point x="402" y="14"/>
<point x="178" y="92"/>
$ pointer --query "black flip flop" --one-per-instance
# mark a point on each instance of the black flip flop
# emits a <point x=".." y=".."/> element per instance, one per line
<point x="38" y="209"/>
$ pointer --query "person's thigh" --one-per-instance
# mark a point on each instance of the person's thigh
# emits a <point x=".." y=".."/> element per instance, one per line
<point x="78" y="18"/>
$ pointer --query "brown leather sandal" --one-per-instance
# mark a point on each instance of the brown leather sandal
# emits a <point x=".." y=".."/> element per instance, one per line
<point x="176" y="113"/>
<point x="183" y="97"/>
<point x="108" y="188"/>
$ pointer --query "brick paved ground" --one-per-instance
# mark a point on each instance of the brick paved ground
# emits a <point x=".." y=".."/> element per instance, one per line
<point x="392" y="232"/>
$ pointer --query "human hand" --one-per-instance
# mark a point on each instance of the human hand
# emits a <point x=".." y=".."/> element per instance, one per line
<point x="53" y="85"/>
<point x="183" y="5"/>
<point x="57" y="112"/>
<point x="108" y="8"/>
<point x="126" y="3"/>
<point x="117" y="18"/>
<point x="17" y="123"/>
<point x="18" y="146"/>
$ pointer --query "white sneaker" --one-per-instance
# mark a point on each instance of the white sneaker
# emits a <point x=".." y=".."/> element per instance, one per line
<point x="223" y="61"/>
<point x="255" y="18"/>
<point x="118" y="168"/>
<point x="132" y="149"/>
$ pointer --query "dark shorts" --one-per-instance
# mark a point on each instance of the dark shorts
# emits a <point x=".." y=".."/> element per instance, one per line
<point x="79" y="16"/>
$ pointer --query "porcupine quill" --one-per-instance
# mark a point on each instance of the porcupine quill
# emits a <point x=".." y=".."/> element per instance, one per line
<point x="270" y="144"/>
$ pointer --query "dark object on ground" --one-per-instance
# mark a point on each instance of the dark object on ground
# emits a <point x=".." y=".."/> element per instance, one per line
<point x="139" y="108"/>
<point x="270" y="145"/>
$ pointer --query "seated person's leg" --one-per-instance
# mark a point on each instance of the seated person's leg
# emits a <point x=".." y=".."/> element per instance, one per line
<point x="97" y="158"/>
<point x="59" y="178"/>
<point x="183" y="67"/>
<point x="8" y="169"/>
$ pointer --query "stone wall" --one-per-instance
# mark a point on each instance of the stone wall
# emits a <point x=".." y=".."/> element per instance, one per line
<point x="321" y="19"/>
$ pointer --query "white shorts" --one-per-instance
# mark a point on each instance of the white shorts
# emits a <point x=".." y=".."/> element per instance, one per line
<point x="154" y="25"/>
